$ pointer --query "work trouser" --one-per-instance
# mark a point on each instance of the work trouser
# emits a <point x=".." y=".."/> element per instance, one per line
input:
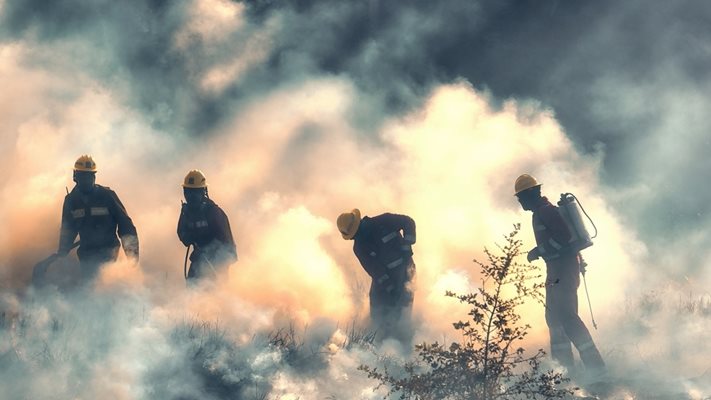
<point x="91" y="260"/>
<point x="564" y="323"/>
<point x="391" y="307"/>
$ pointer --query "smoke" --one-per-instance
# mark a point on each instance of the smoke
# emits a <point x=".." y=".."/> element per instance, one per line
<point x="291" y="131"/>
<point x="625" y="83"/>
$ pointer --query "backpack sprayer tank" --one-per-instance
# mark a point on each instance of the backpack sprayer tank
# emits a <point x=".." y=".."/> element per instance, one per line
<point x="570" y="209"/>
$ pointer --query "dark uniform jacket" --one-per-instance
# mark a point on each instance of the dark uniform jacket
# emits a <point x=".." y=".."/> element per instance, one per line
<point x="384" y="252"/>
<point x="553" y="241"/>
<point x="96" y="218"/>
<point x="208" y="229"/>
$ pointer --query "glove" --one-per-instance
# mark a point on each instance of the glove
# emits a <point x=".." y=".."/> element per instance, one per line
<point x="582" y="265"/>
<point x="130" y="246"/>
<point x="533" y="254"/>
<point x="187" y="238"/>
<point x="409" y="239"/>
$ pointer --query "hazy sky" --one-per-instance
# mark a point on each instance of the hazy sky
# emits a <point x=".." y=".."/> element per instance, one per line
<point x="626" y="80"/>
<point x="299" y="110"/>
<point x="626" y="83"/>
<point x="251" y="91"/>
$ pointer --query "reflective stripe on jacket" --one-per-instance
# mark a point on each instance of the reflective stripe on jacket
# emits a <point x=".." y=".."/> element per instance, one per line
<point x="383" y="245"/>
<point x="96" y="218"/>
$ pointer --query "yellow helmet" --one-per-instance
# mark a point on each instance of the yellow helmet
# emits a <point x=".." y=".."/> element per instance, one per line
<point x="348" y="223"/>
<point x="85" y="164"/>
<point x="195" y="179"/>
<point x="525" y="182"/>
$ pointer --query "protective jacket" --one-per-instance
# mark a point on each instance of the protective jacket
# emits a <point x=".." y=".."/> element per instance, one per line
<point x="96" y="217"/>
<point x="552" y="233"/>
<point x="208" y="230"/>
<point x="552" y="239"/>
<point x="386" y="254"/>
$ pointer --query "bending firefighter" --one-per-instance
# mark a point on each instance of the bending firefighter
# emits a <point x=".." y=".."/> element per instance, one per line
<point x="383" y="245"/>
<point x="96" y="214"/>
<point x="563" y="262"/>
<point x="205" y="226"/>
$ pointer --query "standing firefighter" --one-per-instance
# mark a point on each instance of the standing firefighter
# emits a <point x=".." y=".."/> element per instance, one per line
<point x="95" y="213"/>
<point x="205" y="226"/>
<point x="553" y="239"/>
<point x="383" y="245"/>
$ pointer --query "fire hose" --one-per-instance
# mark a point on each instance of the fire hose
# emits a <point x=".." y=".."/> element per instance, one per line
<point x="185" y="262"/>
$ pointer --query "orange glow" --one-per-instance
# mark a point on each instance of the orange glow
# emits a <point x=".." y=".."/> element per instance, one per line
<point x="286" y="166"/>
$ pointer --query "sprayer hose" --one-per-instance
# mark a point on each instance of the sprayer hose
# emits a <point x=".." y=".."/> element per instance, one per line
<point x="586" y="214"/>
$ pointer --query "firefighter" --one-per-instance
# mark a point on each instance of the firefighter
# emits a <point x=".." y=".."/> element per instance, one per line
<point x="383" y="245"/>
<point x="562" y="279"/>
<point x="205" y="226"/>
<point x="95" y="213"/>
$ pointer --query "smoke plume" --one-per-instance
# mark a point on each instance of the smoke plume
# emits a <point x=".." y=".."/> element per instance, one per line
<point x="296" y="112"/>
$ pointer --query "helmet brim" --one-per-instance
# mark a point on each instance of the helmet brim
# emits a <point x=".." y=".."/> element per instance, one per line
<point x="528" y="188"/>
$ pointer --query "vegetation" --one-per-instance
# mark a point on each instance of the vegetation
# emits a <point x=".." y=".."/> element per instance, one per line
<point x="488" y="363"/>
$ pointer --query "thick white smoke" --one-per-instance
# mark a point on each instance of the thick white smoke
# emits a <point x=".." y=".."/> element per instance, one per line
<point x="289" y="159"/>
